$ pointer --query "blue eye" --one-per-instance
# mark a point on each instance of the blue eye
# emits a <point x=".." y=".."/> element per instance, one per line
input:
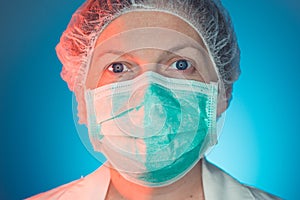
<point x="181" y="64"/>
<point x="118" y="68"/>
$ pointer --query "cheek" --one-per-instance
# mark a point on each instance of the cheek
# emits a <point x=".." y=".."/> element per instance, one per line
<point x="110" y="77"/>
<point x="195" y="75"/>
<point x="93" y="76"/>
<point x="106" y="78"/>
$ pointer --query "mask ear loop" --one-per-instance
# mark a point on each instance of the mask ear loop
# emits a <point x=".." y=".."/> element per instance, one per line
<point x="220" y="120"/>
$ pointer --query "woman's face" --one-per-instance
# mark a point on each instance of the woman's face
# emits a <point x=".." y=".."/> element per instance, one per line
<point x="142" y="41"/>
<point x="145" y="125"/>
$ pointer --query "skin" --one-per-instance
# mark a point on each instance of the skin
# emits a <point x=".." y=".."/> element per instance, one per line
<point x="153" y="41"/>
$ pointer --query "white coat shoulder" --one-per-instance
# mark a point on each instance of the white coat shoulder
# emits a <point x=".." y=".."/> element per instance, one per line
<point x="220" y="185"/>
<point x="92" y="187"/>
<point x="217" y="184"/>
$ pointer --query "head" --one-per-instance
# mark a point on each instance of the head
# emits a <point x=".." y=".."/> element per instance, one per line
<point x="98" y="25"/>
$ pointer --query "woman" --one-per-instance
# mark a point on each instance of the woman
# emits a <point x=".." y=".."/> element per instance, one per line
<point x="152" y="78"/>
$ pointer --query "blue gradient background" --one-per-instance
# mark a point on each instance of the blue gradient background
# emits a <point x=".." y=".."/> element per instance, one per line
<point x="40" y="148"/>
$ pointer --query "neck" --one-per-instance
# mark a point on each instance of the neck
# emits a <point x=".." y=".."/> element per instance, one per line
<point x="188" y="187"/>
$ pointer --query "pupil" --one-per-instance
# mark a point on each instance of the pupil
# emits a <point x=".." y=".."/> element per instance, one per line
<point x="117" y="67"/>
<point x="181" y="64"/>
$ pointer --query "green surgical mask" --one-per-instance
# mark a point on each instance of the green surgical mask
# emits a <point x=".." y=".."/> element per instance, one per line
<point x="153" y="129"/>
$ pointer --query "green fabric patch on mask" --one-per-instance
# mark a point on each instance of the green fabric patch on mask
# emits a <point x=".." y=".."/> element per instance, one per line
<point x="177" y="145"/>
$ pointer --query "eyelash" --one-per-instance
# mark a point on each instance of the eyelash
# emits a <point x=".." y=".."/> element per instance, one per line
<point x="189" y="65"/>
<point x="117" y="65"/>
<point x="113" y="70"/>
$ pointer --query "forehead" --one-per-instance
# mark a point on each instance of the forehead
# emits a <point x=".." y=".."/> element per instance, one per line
<point x="146" y="19"/>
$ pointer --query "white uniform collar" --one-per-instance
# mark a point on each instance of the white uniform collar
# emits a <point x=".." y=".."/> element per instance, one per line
<point x="217" y="184"/>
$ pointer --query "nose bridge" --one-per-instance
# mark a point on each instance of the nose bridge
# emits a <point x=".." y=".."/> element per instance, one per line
<point x="153" y="66"/>
<point x="149" y="59"/>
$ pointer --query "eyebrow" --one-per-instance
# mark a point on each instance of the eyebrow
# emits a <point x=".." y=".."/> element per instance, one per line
<point x="114" y="52"/>
<point x="120" y="53"/>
